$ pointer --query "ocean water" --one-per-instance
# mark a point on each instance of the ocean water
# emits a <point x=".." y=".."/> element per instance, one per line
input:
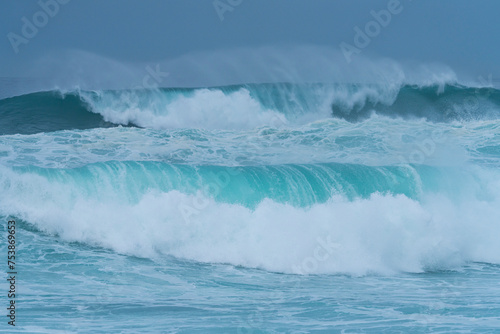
<point x="258" y="208"/>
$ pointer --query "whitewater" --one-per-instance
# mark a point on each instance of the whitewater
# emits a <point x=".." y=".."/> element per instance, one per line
<point x="251" y="208"/>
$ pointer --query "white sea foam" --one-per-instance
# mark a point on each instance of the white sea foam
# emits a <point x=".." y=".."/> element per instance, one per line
<point x="206" y="108"/>
<point x="377" y="141"/>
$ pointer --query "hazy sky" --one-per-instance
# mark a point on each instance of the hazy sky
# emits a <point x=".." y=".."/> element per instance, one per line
<point x="461" y="34"/>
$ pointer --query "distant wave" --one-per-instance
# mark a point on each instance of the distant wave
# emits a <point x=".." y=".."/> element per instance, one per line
<point x="434" y="103"/>
<point x="243" y="106"/>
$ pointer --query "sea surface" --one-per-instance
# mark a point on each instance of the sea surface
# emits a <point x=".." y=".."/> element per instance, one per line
<point x="256" y="208"/>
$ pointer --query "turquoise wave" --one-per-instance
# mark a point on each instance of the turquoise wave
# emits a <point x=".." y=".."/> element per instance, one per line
<point x="300" y="185"/>
<point x="391" y="218"/>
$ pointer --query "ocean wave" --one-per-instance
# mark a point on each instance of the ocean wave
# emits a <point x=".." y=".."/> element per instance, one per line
<point x="243" y="107"/>
<point x="305" y="222"/>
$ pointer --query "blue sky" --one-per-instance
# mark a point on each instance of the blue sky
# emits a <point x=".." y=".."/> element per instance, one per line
<point x="460" y="34"/>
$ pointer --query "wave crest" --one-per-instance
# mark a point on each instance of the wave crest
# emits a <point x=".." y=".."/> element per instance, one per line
<point x="450" y="223"/>
<point x="242" y="107"/>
